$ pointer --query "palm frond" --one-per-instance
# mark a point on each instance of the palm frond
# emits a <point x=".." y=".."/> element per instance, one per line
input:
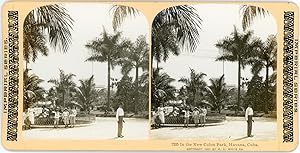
<point x="186" y="23"/>
<point x="120" y="13"/>
<point x="96" y="58"/>
<point x="226" y="57"/>
<point x="249" y="13"/>
<point x="58" y="24"/>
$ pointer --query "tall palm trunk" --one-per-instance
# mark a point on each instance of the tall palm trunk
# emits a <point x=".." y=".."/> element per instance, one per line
<point x="151" y="60"/>
<point x="136" y="88"/>
<point x="239" y="85"/>
<point x="26" y="65"/>
<point x="195" y="97"/>
<point x="63" y="98"/>
<point x="108" y="82"/>
<point x="267" y="88"/>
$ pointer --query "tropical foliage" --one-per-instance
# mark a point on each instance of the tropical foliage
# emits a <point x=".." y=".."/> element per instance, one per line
<point x="51" y="25"/>
<point x="164" y="43"/>
<point x="136" y="57"/>
<point x="265" y="58"/>
<point x="120" y="13"/>
<point x="125" y="94"/>
<point x="86" y="93"/>
<point x="174" y="30"/>
<point x="107" y="48"/>
<point x="47" y="23"/>
<point x="256" y="93"/>
<point x="33" y="92"/>
<point x="173" y="27"/>
<point x="249" y="13"/>
<point x="162" y="90"/>
<point x="238" y="48"/>
<point x="64" y="86"/>
<point x="218" y="93"/>
<point x="184" y="20"/>
<point x="195" y="86"/>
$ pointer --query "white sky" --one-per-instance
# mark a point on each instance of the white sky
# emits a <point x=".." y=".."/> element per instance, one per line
<point x="89" y="20"/>
<point x="218" y="22"/>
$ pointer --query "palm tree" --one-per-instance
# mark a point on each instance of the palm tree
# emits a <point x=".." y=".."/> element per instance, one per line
<point x="265" y="57"/>
<point x="52" y="95"/>
<point x="237" y="48"/>
<point x="108" y="48"/>
<point x="249" y="13"/>
<point x="162" y="90"/>
<point x="33" y="92"/>
<point x="86" y="93"/>
<point x="47" y="23"/>
<point x="144" y="91"/>
<point x="125" y="93"/>
<point x="256" y="93"/>
<point x="195" y="86"/>
<point x="144" y="83"/>
<point x="164" y="43"/>
<point x="135" y="58"/>
<point x="218" y="94"/>
<point x="180" y="22"/>
<point x="120" y="12"/>
<point x="185" y="21"/>
<point x="64" y="85"/>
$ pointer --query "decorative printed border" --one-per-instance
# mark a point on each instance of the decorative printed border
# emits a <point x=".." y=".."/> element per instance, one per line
<point x="13" y="74"/>
<point x="288" y="79"/>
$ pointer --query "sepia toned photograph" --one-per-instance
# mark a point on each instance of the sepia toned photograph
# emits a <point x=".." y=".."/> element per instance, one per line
<point x="149" y="76"/>
<point x="214" y="73"/>
<point x="85" y="74"/>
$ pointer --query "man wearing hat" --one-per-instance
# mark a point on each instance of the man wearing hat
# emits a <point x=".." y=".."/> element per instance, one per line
<point x="248" y="117"/>
<point x="120" y="116"/>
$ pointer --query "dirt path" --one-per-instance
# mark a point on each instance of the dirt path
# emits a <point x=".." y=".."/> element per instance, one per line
<point x="235" y="128"/>
<point x="103" y="128"/>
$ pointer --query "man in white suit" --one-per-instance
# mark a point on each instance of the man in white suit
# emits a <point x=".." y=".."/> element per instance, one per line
<point x="120" y="116"/>
<point x="248" y="117"/>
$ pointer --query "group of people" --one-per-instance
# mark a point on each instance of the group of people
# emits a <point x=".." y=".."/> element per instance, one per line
<point x="68" y="117"/>
<point x="31" y="113"/>
<point x="198" y="116"/>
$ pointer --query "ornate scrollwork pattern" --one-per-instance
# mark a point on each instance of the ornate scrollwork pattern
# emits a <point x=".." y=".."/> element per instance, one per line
<point x="13" y="73"/>
<point x="288" y="77"/>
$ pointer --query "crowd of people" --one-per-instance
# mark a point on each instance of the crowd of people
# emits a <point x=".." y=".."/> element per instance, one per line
<point x="67" y="116"/>
<point x="197" y="115"/>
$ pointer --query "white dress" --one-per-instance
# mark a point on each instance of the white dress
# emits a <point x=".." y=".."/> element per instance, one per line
<point x="31" y="115"/>
<point x="161" y="114"/>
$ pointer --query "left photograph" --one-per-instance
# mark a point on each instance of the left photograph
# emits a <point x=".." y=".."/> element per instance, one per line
<point x="85" y="72"/>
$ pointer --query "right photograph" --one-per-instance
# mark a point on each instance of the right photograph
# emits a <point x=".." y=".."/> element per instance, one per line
<point x="214" y="73"/>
